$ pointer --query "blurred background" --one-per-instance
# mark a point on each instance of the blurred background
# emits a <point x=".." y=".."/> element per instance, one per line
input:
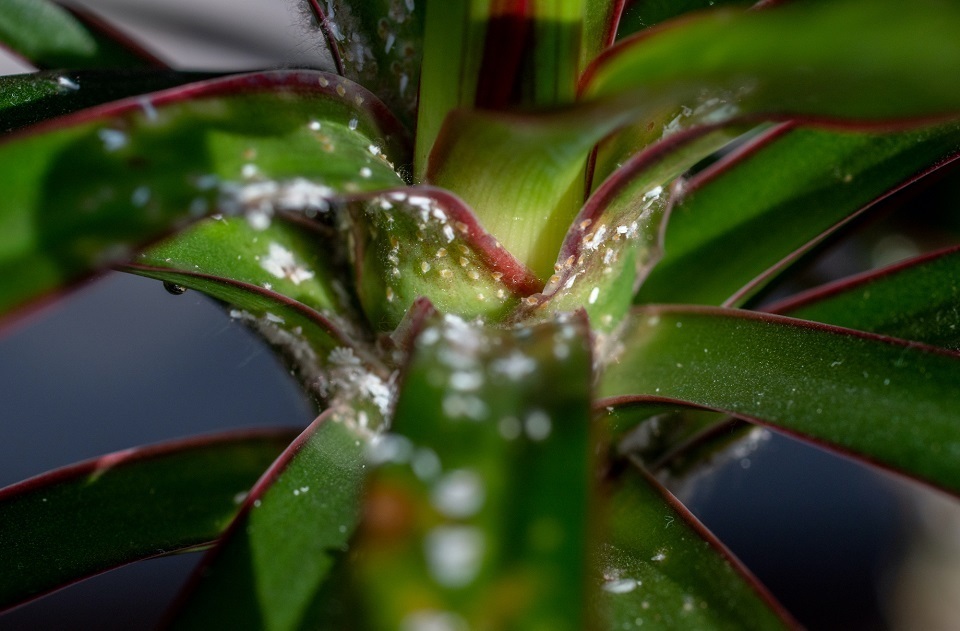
<point x="122" y="363"/>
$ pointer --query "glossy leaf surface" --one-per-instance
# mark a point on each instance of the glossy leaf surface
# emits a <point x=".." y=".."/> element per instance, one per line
<point x="28" y="99"/>
<point x="520" y="173"/>
<point x="885" y="400"/>
<point x="913" y="300"/>
<point x="274" y="559"/>
<point x="663" y="570"/>
<point x="617" y="237"/>
<point x="50" y="36"/>
<point x="793" y="186"/>
<point x="94" y="185"/>
<point x="449" y="535"/>
<point x="423" y="242"/>
<point x="870" y="61"/>
<point x="291" y="259"/>
<point x="79" y="521"/>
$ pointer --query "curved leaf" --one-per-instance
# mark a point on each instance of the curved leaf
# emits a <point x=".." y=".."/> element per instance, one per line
<point x="75" y="522"/>
<point x="32" y="98"/>
<point x="882" y="399"/>
<point x="249" y="143"/>
<point x="869" y="63"/>
<point x="643" y="14"/>
<point x="295" y="260"/>
<point x="267" y="569"/>
<point x="482" y="54"/>
<point x="781" y="194"/>
<point x="448" y="532"/>
<point x="913" y="300"/>
<point x="663" y="569"/>
<point x="424" y="242"/>
<point x="50" y="36"/>
<point x="617" y="237"/>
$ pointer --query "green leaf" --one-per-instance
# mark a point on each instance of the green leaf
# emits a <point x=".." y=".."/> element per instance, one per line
<point x="662" y="569"/>
<point x="642" y="14"/>
<point x="870" y="61"/>
<point x="914" y="300"/>
<point x="75" y="522"/>
<point x="777" y="198"/>
<point x="482" y="54"/>
<point x="295" y="260"/>
<point x="50" y="36"/>
<point x="32" y="98"/>
<point x="453" y="45"/>
<point x="450" y="533"/>
<point x="600" y="19"/>
<point x="423" y="242"/>
<point x="94" y="185"/>
<point x="378" y="44"/>
<point x="274" y="559"/>
<point x="886" y="400"/>
<point x="616" y="237"/>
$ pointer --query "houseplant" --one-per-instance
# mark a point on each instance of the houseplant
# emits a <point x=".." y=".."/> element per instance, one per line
<point x="492" y="500"/>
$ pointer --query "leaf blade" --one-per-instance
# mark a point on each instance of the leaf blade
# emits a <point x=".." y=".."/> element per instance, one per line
<point x="763" y="368"/>
<point x="75" y="522"/>
<point x="174" y="157"/>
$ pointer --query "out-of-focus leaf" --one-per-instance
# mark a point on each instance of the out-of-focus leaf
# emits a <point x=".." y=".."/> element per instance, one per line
<point x="885" y="400"/>
<point x="75" y="522"/>
<point x="424" y="242"/>
<point x="870" y="62"/>
<point x="482" y="54"/>
<point x="642" y="14"/>
<point x="450" y="534"/>
<point x="917" y="300"/>
<point x="454" y="41"/>
<point x="663" y="570"/>
<point x="32" y="98"/>
<point x="378" y="44"/>
<point x="93" y="185"/>
<point x="600" y="19"/>
<point x="273" y="560"/>
<point x="50" y="36"/>
<point x="747" y="217"/>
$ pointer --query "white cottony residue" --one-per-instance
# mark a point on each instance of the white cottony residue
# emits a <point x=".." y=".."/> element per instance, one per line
<point x="112" y="139"/>
<point x="454" y="554"/>
<point x="281" y="263"/>
<point x="514" y="366"/>
<point x="432" y="620"/>
<point x="620" y="585"/>
<point x="537" y="425"/>
<point x="349" y="380"/>
<point x="458" y="494"/>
